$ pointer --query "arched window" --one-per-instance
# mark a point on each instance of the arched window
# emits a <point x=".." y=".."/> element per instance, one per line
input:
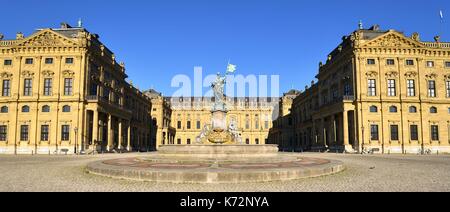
<point x="4" y="109"/>
<point x="393" y="109"/>
<point x="46" y="109"/>
<point x="373" y="109"/>
<point x="433" y="110"/>
<point x="413" y="109"/>
<point x="25" y="109"/>
<point x="66" y="109"/>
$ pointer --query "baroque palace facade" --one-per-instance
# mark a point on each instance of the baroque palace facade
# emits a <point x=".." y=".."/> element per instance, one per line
<point x="379" y="90"/>
<point x="180" y="120"/>
<point x="63" y="91"/>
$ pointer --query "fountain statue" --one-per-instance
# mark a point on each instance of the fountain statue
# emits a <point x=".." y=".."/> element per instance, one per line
<point x="218" y="132"/>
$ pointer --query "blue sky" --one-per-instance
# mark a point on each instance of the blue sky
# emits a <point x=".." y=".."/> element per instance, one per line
<point x="158" y="39"/>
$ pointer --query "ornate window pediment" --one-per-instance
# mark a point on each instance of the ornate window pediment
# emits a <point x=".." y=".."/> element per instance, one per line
<point x="27" y="74"/>
<point x="48" y="73"/>
<point x="371" y="74"/>
<point x="411" y="74"/>
<point x="392" y="74"/>
<point x="68" y="73"/>
<point x="5" y="75"/>
<point x="431" y="76"/>
<point x="447" y="76"/>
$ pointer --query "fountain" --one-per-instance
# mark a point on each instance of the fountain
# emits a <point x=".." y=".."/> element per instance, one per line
<point x="218" y="156"/>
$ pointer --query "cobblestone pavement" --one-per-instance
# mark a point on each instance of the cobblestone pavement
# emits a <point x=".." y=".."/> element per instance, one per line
<point x="364" y="173"/>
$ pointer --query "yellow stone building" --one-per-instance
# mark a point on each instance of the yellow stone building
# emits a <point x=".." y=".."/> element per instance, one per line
<point x="62" y="91"/>
<point x="253" y="117"/>
<point x="379" y="90"/>
<point x="162" y="131"/>
<point x="282" y="132"/>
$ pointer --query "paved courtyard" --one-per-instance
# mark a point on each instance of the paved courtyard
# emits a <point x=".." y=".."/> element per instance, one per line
<point x="364" y="173"/>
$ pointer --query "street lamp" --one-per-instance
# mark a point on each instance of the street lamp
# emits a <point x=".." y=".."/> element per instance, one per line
<point x="76" y="139"/>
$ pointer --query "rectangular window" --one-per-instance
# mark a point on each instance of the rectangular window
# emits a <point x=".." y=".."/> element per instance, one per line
<point x="199" y="125"/>
<point x="69" y="60"/>
<point x="372" y="87"/>
<point x="257" y="141"/>
<point x="188" y="125"/>
<point x="447" y="85"/>
<point x="392" y="88"/>
<point x="257" y="124"/>
<point x="106" y="94"/>
<point x="394" y="132"/>
<point x="374" y="132"/>
<point x="434" y="132"/>
<point x="3" y="133"/>
<point x="247" y="141"/>
<point x="188" y="142"/>
<point x="370" y="61"/>
<point x="179" y="125"/>
<point x="29" y="61"/>
<point x="266" y="124"/>
<point x="7" y="62"/>
<point x="414" y="132"/>
<point x="447" y="64"/>
<point x="6" y="90"/>
<point x="411" y="87"/>
<point x="48" y="61"/>
<point x="390" y="62"/>
<point x="431" y="88"/>
<point x="44" y="132"/>
<point x="178" y="141"/>
<point x="348" y="91"/>
<point x="68" y="87"/>
<point x="24" y="133"/>
<point x="430" y="64"/>
<point x="409" y="62"/>
<point x="28" y="87"/>
<point x="65" y="132"/>
<point x="93" y="90"/>
<point x="47" y="87"/>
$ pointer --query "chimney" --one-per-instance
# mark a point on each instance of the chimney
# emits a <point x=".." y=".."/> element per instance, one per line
<point x="19" y="36"/>
<point x="65" y="25"/>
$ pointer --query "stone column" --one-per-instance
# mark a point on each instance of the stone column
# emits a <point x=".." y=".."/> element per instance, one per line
<point x="345" y="128"/>
<point x="110" y="134"/>
<point x="324" y="132"/>
<point x="346" y="136"/>
<point x="95" y="128"/>
<point x="334" y="135"/>
<point x="119" y="146"/>
<point x="129" y="136"/>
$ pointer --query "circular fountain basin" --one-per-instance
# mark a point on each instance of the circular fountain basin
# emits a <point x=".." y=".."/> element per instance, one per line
<point x="216" y="164"/>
